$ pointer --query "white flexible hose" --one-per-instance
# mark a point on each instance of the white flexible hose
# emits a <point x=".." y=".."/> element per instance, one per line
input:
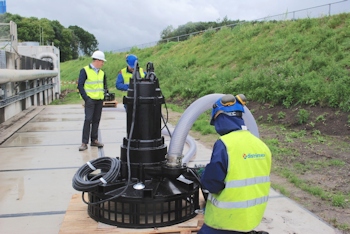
<point x="185" y="123"/>
<point x="190" y="115"/>
<point x="190" y="142"/>
<point x="250" y="122"/>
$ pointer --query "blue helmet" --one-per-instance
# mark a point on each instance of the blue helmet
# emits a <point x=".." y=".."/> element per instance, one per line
<point x="229" y="105"/>
<point x="130" y="60"/>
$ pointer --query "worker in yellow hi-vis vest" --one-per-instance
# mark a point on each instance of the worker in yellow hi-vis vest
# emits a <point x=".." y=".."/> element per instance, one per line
<point x="237" y="177"/>
<point x="92" y="85"/>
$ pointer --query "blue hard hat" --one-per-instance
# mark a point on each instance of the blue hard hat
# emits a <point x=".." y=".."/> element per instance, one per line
<point x="229" y="105"/>
<point x="130" y="60"/>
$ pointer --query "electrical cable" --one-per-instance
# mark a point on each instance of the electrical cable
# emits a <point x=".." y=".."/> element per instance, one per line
<point x="152" y="76"/>
<point x="165" y="121"/>
<point x="198" y="179"/>
<point x="195" y="175"/>
<point x="134" y="76"/>
<point x="81" y="182"/>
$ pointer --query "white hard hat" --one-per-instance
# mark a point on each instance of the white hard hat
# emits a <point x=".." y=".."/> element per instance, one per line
<point x="98" y="55"/>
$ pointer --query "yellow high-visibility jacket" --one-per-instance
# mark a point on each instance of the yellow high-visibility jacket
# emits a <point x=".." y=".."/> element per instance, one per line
<point x="94" y="87"/>
<point x="241" y="204"/>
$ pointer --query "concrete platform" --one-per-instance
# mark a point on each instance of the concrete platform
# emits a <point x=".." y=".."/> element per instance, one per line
<point x="39" y="157"/>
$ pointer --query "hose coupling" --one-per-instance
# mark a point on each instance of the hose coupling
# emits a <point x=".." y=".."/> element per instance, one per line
<point x="174" y="160"/>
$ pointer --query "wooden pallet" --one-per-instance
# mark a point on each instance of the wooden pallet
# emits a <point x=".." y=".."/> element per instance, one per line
<point x="77" y="220"/>
<point x="110" y="103"/>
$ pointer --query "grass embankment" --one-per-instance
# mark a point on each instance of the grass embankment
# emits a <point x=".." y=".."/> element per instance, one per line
<point x="284" y="63"/>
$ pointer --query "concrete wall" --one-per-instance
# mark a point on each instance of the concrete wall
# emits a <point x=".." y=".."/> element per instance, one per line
<point x="12" y="85"/>
<point x="41" y="52"/>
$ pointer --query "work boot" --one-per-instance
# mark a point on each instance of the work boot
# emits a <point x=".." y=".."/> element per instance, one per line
<point x="83" y="147"/>
<point x="96" y="143"/>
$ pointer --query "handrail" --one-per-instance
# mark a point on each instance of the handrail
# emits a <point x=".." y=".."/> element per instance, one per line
<point x="12" y="75"/>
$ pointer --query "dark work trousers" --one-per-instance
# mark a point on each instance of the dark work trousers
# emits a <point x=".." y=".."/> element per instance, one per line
<point x="93" y="111"/>
<point x="209" y="230"/>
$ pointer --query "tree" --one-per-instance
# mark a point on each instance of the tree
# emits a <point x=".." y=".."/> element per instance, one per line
<point x="74" y="44"/>
<point x="167" y="32"/>
<point x="192" y="27"/>
<point x="62" y="40"/>
<point x="86" y="42"/>
<point x="47" y="33"/>
<point x="71" y="41"/>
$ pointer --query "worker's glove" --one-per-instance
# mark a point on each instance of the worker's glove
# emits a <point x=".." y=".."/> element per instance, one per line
<point x="199" y="169"/>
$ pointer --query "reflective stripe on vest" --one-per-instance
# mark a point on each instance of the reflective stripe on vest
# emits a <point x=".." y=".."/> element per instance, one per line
<point x="241" y="204"/>
<point x="127" y="75"/>
<point x="246" y="182"/>
<point x="93" y="86"/>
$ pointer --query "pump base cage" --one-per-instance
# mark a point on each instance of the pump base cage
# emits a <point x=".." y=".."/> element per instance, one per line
<point x="144" y="213"/>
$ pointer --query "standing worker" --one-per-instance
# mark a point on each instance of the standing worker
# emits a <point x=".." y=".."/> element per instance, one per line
<point x="92" y="85"/>
<point x="238" y="174"/>
<point x="123" y="78"/>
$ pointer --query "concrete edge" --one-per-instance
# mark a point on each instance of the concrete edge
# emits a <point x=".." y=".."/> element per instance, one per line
<point x="12" y="125"/>
<point x="280" y="195"/>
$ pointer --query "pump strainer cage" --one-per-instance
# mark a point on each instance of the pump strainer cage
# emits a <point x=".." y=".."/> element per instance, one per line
<point x="145" y="212"/>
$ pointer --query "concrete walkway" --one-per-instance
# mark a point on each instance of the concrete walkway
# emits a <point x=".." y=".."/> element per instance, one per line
<point x="39" y="157"/>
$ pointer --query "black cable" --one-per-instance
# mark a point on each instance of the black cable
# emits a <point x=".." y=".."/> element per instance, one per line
<point x="165" y="121"/>
<point x="198" y="179"/>
<point x="195" y="175"/>
<point x="152" y="76"/>
<point x="81" y="180"/>
<point x="134" y="76"/>
<point x="135" y="73"/>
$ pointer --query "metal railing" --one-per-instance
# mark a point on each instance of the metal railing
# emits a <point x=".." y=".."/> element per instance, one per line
<point x="311" y="12"/>
<point x="25" y="94"/>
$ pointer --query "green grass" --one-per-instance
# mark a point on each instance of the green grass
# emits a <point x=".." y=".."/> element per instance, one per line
<point x="281" y="115"/>
<point x="335" y="199"/>
<point x="281" y="189"/>
<point x="304" y="62"/>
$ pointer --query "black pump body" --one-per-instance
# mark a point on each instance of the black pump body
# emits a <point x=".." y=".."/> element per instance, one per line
<point x="148" y="193"/>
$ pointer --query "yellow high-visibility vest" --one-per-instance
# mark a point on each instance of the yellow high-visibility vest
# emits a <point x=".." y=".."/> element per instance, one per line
<point x="240" y="206"/>
<point x="127" y="75"/>
<point x="93" y="86"/>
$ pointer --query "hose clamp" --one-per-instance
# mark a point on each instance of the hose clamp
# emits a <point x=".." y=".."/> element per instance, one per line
<point x="174" y="161"/>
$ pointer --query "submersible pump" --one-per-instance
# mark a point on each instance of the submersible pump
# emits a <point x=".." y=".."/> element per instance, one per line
<point x="146" y="187"/>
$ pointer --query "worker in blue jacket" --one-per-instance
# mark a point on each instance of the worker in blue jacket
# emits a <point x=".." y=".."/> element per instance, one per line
<point x="238" y="174"/>
<point x="124" y="75"/>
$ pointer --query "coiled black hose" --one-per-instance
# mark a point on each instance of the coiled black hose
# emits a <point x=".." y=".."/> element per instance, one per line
<point x="110" y="168"/>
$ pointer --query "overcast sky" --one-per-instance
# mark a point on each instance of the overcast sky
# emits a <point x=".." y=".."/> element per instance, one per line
<point x="118" y="24"/>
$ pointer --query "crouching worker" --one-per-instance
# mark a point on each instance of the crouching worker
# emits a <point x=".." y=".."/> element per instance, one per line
<point x="238" y="174"/>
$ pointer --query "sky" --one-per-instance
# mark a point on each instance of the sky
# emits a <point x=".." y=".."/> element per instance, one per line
<point x="118" y="24"/>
